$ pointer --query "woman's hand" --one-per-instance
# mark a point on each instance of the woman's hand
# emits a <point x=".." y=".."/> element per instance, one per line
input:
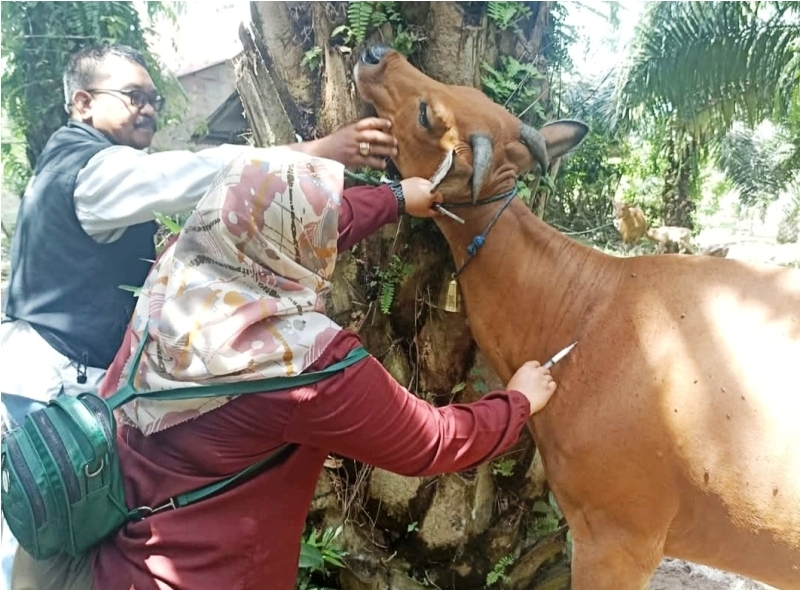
<point x="419" y="199"/>
<point x="534" y="382"/>
<point x="364" y="143"/>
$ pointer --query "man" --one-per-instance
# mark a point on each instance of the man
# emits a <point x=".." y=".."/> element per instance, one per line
<point x="86" y="223"/>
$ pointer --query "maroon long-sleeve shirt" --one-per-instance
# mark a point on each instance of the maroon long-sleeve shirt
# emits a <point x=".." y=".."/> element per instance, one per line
<point x="248" y="538"/>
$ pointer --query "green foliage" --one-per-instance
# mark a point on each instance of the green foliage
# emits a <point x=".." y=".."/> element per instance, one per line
<point x="715" y="190"/>
<point x="172" y="225"/>
<point x="362" y="17"/>
<point x="591" y="176"/>
<point x="503" y="467"/>
<point x="412" y="527"/>
<point x="201" y="129"/>
<point x="694" y="68"/>
<point x="560" y="36"/>
<point x="343" y="34"/>
<point x="387" y="295"/>
<point x="389" y="278"/>
<point x="169" y="226"/>
<point x="516" y="85"/>
<point x="792" y="124"/>
<point x="312" y="57"/>
<point x="359" y="15"/>
<point x="478" y="383"/>
<point x="498" y="573"/>
<point x="546" y="522"/>
<point x="16" y="167"/>
<point x="319" y="554"/>
<point x="37" y="40"/>
<point x="385" y="12"/>
<point x="710" y="63"/>
<point x="366" y="176"/>
<point x="754" y="161"/>
<point x="507" y="14"/>
<point x="529" y="183"/>
<point x="135" y="290"/>
<point x="480" y="386"/>
<point x="405" y="41"/>
<point x="548" y="517"/>
<point x="789" y="226"/>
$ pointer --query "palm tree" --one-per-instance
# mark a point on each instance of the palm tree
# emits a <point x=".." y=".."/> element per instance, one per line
<point x="754" y="160"/>
<point x="696" y="67"/>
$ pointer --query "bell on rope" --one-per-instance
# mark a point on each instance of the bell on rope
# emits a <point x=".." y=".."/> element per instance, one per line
<point x="452" y="302"/>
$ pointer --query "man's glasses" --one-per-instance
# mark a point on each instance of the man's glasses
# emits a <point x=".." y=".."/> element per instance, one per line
<point x="138" y="98"/>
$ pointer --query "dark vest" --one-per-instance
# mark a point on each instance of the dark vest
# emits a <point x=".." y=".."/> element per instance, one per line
<point x="62" y="281"/>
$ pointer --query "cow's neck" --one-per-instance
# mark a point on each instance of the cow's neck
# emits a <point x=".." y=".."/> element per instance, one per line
<point x="529" y="289"/>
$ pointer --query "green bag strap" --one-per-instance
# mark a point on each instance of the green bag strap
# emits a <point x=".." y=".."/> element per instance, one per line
<point x="128" y="392"/>
<point x="275" y="458"/>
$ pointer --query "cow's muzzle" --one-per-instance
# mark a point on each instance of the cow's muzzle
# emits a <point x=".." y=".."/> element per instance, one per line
<point x="374" y="54"/>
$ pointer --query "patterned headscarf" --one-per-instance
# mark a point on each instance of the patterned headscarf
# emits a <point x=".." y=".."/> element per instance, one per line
<point x="240" y="294"/>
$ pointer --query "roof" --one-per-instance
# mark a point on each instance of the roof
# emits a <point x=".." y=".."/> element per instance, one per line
<point x="227" y="124"/>
<point x="197" y="63"/>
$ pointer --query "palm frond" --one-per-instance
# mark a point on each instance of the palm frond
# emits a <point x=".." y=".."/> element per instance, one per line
<point x="708" y="64"/>
<point x="754" y="161"/>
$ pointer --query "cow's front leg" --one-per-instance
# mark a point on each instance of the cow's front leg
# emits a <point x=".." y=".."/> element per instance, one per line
<point x="616" y="561"/>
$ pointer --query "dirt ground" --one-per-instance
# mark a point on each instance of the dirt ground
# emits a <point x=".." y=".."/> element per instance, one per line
<point x="675" y="574"/>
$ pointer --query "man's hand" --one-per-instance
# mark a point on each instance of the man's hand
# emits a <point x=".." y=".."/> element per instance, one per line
<point x="370" y="135"/>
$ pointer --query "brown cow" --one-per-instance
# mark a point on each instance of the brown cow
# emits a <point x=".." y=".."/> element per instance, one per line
<point x="630" y="222"/>
<point x="676" y="426"/>
<point x="669" y="238"/>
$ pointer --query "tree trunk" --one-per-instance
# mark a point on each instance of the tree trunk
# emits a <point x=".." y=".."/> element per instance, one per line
<point x="266" y="108"/>
<point x="279" y="32"/>
<point x="677" y="200"/>
<point x="408" y="533"/>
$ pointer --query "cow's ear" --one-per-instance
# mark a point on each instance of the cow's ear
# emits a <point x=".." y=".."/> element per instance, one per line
<point x="562" y="136"/>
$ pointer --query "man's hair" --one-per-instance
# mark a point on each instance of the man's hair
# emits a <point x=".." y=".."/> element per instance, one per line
<point x="84" y="66"/>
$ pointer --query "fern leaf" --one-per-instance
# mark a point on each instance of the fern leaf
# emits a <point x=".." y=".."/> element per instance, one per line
<point x="358" y="16"/>
<point x="387" y="296"/>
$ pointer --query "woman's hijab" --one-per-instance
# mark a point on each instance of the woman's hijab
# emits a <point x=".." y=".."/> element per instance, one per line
<point x="240" y="294"/>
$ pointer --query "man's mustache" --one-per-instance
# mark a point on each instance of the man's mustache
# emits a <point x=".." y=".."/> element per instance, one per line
<point x="147" y="123"/>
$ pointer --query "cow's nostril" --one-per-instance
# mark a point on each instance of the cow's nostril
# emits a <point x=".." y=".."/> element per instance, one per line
<point x="374" y="54"/>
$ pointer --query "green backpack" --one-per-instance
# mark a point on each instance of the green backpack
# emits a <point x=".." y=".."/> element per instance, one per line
<point x="62" y="487"/>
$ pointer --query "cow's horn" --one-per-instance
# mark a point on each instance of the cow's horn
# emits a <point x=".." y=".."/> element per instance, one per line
<point x="536" y="145"/>
<point x="482" y="150"/>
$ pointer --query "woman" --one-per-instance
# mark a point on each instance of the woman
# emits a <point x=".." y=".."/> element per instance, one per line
<point x="240" y="295"/>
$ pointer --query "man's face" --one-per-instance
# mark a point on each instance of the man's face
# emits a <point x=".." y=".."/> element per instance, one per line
<point x="110" y="111"/>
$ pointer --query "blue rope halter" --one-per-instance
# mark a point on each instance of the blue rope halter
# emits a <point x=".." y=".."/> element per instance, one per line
<point x="479" y="240"/>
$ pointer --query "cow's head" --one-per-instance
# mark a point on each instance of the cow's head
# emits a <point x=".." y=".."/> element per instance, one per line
<point x="491" y="146"/>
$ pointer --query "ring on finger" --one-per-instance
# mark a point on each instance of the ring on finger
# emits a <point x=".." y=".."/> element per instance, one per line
<point x="364" y="148"/>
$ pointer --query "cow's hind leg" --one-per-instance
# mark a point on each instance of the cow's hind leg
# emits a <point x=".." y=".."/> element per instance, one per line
<point x="614" y="563"/>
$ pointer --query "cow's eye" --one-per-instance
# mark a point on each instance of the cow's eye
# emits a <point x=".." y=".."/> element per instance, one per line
<point x="423" y="115"/>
